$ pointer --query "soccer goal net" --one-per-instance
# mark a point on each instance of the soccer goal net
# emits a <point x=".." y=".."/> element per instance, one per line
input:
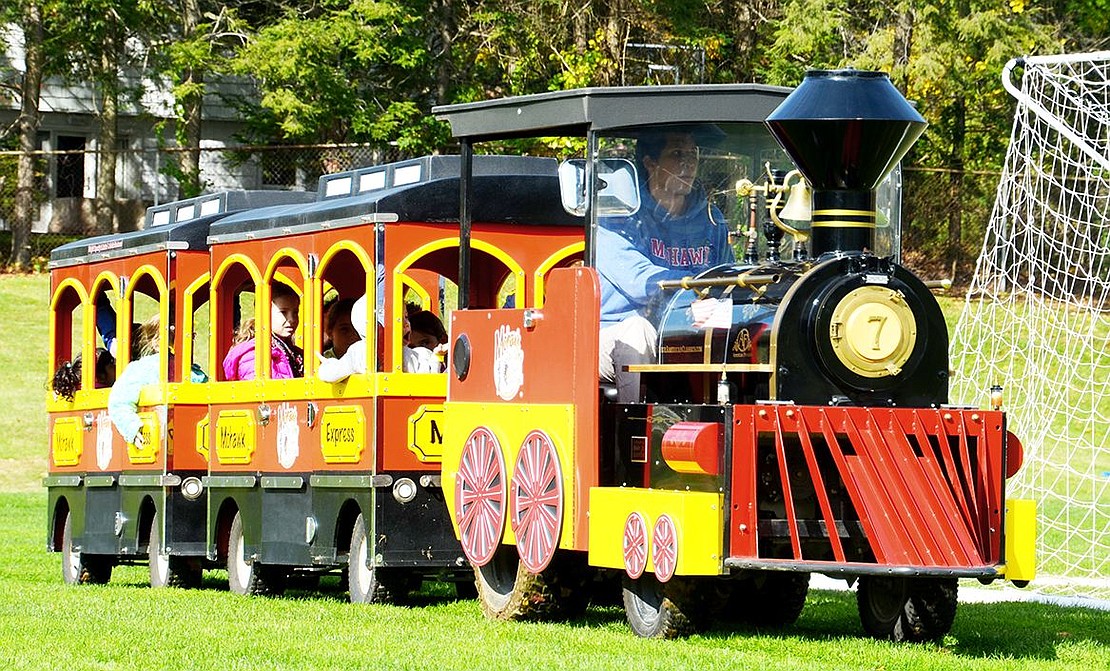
<point x="1037" y="315"/>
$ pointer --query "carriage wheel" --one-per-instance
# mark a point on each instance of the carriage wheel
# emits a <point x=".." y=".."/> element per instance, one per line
<point x="250" y="577"/>
<point x="907" y="609"/>
<point x="664" y="548"/>
<point x="371" y="584"/>
<point x="635" y="545"/>
<point x="167" y="570"/>
<point x="536" y="501"/>
<point x="480" y="496"/>
<point x="79" y="568"/>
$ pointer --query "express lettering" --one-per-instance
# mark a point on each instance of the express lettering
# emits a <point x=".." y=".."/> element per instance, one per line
<point x="339" y="434"/>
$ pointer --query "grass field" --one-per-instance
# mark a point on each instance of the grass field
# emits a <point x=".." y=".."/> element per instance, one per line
<point x="46" y="625"/>
<point x="23" y="376"/>
<point x="122" y="625"/>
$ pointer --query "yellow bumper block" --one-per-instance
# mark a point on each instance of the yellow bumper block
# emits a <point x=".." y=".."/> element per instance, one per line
<point x="698" y="519"/>
<point x="1021" y="540"/>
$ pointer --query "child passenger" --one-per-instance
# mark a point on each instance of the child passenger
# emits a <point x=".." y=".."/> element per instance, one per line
<point x="286" y="359"/>
<point x="67" y="378"/>
<point x="426" y="331"/>
<point x="123" y="400"/>
<point x="414" y="359"/>
<point x="339" y="330"/>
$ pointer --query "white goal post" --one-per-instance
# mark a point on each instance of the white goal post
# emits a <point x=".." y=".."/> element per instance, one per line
<point x="1037" y="315"/>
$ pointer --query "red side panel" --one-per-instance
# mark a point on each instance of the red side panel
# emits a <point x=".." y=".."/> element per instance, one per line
<point x="553" y="361"/>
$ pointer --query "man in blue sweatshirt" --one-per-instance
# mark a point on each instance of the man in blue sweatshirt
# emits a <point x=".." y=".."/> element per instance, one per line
<point x="674" y="234"/>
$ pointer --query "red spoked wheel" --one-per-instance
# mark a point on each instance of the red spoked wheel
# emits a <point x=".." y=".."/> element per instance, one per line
<point x="664" y="548"/>
<point x="536" y="501"/>
<point x="635" y="545"/>
<point x="480" y="496"/>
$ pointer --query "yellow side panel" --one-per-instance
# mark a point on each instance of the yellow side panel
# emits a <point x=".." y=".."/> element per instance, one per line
<point x="1021" y="539"/>
<point x="202" y="437"/>
<point x="510" y="424"/>
<point x="152" y="440"/>
<point x="697" y="516"/>
<point x="66" y="442"/>
<point x="425" y="433"/>
<point x="343" y="434"/>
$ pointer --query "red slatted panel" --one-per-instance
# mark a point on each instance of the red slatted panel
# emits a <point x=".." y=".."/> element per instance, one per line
<point x="921" y="498"/>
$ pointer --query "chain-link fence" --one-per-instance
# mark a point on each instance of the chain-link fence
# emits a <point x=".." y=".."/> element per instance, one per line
<point x="944" y="218"/>
<point x="945" y="211"/>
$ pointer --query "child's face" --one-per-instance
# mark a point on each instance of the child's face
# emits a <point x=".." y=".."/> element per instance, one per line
<point x="343" y="335"/>
<point x="284" y="317"/>
<point x="422" y="339"/>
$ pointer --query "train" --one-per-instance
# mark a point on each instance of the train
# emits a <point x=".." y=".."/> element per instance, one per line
<point x="793" y="417"/>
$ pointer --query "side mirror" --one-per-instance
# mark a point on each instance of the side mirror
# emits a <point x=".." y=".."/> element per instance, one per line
<point x="617" y="193"/>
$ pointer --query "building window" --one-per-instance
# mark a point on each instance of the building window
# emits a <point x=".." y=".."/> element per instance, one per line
<point x="71" y="167"/>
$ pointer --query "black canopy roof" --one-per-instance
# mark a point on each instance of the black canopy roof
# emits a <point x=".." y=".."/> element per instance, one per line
<point x="180" y="225"/>
<point x="509" y="189"/>
<point x="573" y="113"/>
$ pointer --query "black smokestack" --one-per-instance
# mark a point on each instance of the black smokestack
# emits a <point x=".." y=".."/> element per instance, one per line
<point x="845" y="130"/>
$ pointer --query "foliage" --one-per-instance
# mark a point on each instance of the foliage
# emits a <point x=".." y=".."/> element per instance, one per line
<point x="371" y="70"/>
<point x="342" y="73"/>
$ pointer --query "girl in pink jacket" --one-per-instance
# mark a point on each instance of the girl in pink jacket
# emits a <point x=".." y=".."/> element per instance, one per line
<point x="286" y="359"/>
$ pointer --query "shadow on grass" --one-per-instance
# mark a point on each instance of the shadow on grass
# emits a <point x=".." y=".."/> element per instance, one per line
<point x="1017" y="630"/>
<point x="981" y="630"/>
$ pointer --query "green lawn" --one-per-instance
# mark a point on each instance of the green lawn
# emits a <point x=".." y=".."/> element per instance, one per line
<point x="24" y="372"/>
<point x="45" y="624"/>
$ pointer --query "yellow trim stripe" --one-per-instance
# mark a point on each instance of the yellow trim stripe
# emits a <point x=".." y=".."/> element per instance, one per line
<point x="1021" y="539"/>
<point x="840" y="223"/>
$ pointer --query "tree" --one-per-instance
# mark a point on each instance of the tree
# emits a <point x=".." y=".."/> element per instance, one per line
<point x="28" y="125"/>
<point x="108" y="43"/>
<point x="198" y="45"/>
<point x="342" y="72"/>
<point x="945" y="56"/>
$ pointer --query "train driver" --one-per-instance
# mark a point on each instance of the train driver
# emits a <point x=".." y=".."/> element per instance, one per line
<point x="673" y="235"/>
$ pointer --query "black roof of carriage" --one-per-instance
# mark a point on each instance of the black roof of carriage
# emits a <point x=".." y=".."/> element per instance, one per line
<point x="508" y="189"/>
<point x="179" y="225"/>
<point x="574" y="112"/>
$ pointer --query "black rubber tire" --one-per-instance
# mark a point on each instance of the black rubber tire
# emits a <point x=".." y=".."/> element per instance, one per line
<point x="370" y="584"/>
<point x="507" y="591"/>
<point x="79" y="568"/>
<point x="170" y="570"/>
<point x="673" y="609"/>
<point x="766" y="598"/>
<point x="932" y="607"/>
<point x="907" y="610"/>
<point x="250" y="577"/>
